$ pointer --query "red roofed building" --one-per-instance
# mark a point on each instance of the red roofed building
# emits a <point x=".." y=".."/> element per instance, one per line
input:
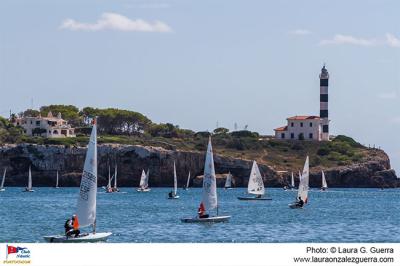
<point x="301" y="127"/>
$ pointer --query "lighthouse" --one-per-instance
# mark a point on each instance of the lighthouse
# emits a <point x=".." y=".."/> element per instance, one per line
<point x="323" y="103"/>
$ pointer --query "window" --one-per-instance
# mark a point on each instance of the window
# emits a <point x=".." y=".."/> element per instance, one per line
<point x="55" y="132"/>
<point x="38" y="123"/>
<point x="292" y="124"/>
<point x="31" y="122"/>
<point x="310" y="135"/>
<point x="282" y="135"/>
<point x="301" y="124"/>
<point x="310" y="124"/>
<point x="301" y="136"/>
<point x="292" y="135"/>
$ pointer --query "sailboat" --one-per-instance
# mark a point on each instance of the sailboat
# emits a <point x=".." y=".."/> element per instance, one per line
<point x="115" y="188"/>
<point x="144" y="185"/>
<point x="2" y="181"/>
<point x="86" y="207"/>
<point x="292" y="184"/>
<point x="324" y="184"/>
<point x="303" y="187"/>
<point x="57" y="181"/>
<point x="228" y="181"/>
<point x="29" y="187"/>
<point x="187" y="182"/>
<point x="173" y="194"/>
<point x="256" y="185"/>
<point x="108" y="187"/>
<point x="209" y="197"/>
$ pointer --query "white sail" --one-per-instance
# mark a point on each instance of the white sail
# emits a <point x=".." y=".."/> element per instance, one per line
<point x="228" y="181"/>
<point x="147" y="178"/>
<point x="109" y="177"/>
<point x="209" y="198"/>
<point x="304" y="180"/>
<point x="4" y="178"/>
<point x="292" y="181"/>
<point x="115" y="177"/>
<point x="86" y="207"/>
<point x="175" y="181"/>
<point x="188" y="180"/>
<point x="57" y="180"/>
<point x="256" y="184"/>
<point x="30" y="179"/>
<point x="324" y="184"/>
<point x="143" y="178"/>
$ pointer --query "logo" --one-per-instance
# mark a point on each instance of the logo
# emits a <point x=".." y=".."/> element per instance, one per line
<point x="16" y="254"/>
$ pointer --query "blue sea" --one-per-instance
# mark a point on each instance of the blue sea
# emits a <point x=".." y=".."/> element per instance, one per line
<point x="338" y="215"/>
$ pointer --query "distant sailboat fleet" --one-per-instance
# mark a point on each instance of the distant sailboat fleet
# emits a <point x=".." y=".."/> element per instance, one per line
<point x="208" y="210"/>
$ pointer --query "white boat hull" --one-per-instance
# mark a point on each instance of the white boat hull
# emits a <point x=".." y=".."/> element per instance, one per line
<point x="174" y="197"/>
<point x="2" y="190"/>
<point x="31" y="190"/>
<point x="143" y="190"/>
<point x="97" y="237"/>
<point x="214" y="219"/>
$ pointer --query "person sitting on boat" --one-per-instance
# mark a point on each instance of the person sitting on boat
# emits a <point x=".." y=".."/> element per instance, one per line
<point x="300" y="202"/>
<point x="258" y="196"/>
<point x="202" y="211"/>
<point x="171" y="194"/>
<point x="72" y="227"/>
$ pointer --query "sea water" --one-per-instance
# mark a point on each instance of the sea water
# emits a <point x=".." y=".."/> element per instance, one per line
<point x="337" y="215"/>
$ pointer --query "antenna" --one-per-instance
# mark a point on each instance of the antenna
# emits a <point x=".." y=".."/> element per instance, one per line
<point x="32" y="103"/>
<point x="217" y="125"/>
<point x="245" y="127"/>
<point x="235" y="126"/>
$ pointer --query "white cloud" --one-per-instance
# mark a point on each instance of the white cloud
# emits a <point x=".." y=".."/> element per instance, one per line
<point x="300" y="32"/>
<point x="340" y="39"/>
<point x="114" y="21"/>
<point x="388" y="95"/>
<point x="392" y="40"/>
<point x="348" y="39"/>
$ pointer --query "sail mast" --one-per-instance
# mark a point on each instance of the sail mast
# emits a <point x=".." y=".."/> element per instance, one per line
<point x="188" y="180"/>
<point x="115" y="176"/>
<point x="175" y="181"/>
<point x="4" y="178"/>
<point x="57" y="179"/>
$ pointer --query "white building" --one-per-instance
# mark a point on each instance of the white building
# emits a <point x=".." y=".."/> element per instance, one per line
<point x="301" y="128"/>
<point x="49" y="127"/>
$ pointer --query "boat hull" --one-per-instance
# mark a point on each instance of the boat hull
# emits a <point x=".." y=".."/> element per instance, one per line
<point x="175" y="197"/>
<point x="28" y="190"/>
<point x="97" y="237"/>
<point x="214" y="219"/>
<point x="2" y="190"/>
<point x="252" y="198"/>
<point x="294" y="206"/>
<point x="143" y="190"/>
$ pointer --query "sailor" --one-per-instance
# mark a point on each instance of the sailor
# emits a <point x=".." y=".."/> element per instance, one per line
<point x="170" y="194"/>
<point x="202" y="211"/>
<point x="300" y="202"/>
<point x="72" y="226"/>
<point x="258" y="196"/>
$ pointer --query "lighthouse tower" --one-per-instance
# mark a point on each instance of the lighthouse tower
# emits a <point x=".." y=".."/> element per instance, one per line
<point x="323" y="113"/>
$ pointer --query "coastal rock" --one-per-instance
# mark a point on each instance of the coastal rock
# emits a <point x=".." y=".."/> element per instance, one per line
<point x="132" y="159"/>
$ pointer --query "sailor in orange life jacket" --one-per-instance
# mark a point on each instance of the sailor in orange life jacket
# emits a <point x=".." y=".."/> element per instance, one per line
<point x="72" y="226"/>
<point x="202" y="211"/>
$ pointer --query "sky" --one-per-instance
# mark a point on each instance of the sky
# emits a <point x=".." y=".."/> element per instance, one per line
<point x="199" y="64"/>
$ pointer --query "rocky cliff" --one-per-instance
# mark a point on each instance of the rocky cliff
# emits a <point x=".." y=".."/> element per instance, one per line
<point x="131" y="159"/>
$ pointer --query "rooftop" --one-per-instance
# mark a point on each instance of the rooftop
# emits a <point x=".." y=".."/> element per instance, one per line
<point x="284" y="128"/>
<point x="304" y="117"/>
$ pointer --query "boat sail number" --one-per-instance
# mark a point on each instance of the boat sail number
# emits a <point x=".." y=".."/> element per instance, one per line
<point x="88" y="181"/>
